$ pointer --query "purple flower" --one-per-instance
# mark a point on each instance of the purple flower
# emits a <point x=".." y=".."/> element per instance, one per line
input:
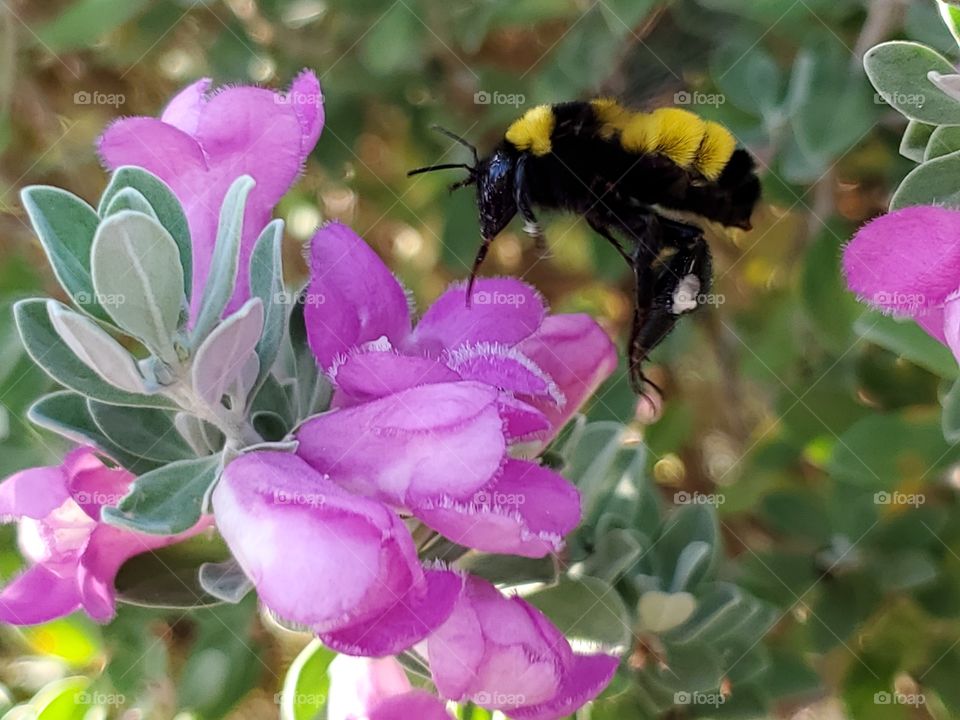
<point x="440" y="451"/>
<point x="908" y="263"/>
<point x="74" y="557"/>
<point x="342" y="565"/>
<point x="502" y="653"/>
<point x="365" y="689"/>
<point x="360" y="329"/>
<point x="205" y="140"/>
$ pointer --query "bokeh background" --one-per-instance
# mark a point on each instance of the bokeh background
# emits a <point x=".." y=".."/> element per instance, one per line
<point x="785" y="400"/>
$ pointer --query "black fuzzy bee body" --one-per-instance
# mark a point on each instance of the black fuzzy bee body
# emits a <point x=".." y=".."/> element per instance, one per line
<point x="628" y="174"/>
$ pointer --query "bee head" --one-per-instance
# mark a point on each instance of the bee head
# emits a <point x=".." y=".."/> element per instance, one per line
<point x="496" y="191"/>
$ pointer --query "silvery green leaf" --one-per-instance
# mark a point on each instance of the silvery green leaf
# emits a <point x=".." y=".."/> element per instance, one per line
<point x="718" y="610"/>
<point x="266" y="283"/>
<point x="225" y="580"/>
<point x="901" y="73"/>
<point x="66" y="413"/>
<point x="272" y="397"/>
<point x="658" y="611"/>
<point x="130" y="199"/>
<point x="226" y="253"/>
<point x="593" y="463"/>
<point x="165" y="206"/>
<point x="191" y="429"/>
<point x="145" y="432"/>
<point x="949" y="83"/>
<point x="168" y="500"/>
<point x="96" y="348"/>
<point x="313" y="389"/>
<point x="239" y="390"/>
<point x="269" y="425"/>
<point x="135" y="261"/>
<point x="66" y="225"/>
<point x="50" y="352"/>
<point x="950" y="420"/>
<point x="223" y="354"/>
<point x="692" y="565"/>
<point x="572" y="606"/>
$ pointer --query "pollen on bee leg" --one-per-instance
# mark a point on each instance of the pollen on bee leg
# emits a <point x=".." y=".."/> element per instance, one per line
<point x="685" y="296"/>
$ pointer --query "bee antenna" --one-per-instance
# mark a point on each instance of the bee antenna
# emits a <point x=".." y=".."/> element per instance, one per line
<point x="443" y="166"/>
<point x="457" y="138"/>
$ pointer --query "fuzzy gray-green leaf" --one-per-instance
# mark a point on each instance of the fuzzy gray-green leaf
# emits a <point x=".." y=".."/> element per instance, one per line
<point x="898" y="71"/>
<point x="167" y="500"/>
<point x="266" y="283"/>
<point x="96" y="348"/>
<point x="226" y="253"/>
<point x="50" y="352"/>
<point x="66" y="225"/>
<point x="165" y="206"/>
<point x="135" y="261"/>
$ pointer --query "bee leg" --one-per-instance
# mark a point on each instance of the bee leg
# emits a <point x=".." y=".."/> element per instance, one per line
<point x="522" y="197"/>
<point x="477" y="262"/>
<point x="672" y="288"/>
<point x="605" y="233"/>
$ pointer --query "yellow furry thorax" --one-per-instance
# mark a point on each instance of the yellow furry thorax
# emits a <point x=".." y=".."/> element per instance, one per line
<point x="682" y="136"/>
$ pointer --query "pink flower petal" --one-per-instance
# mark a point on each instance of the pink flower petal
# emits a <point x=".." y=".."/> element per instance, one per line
<point x="906" y="261"/>
<point x="527" y="511"/>
<point x="417" y="704"/>
<point x="585" y="679"/>
<point x="370" y="374"/>
<point x="951" y="325"/>
<point x="522" y="420"/>
<point x="169" y="153"/>
<point x="497" y="652"/>
<point x="932" y="322"/>
<point x="420" y="443"/>
<point x="409" y="619"/>
<point x="183" y="110"/>
<point x="317" y="555"/>
<point x="358" y="684"/>
<point x="506" y="368"/>
<point x="504" y="310"/>
<point x="577" y="354"/>
<point x="352" y="298"/>
<point x="38" y="595"/>
<point x="34" y="492"/>
<point x="206" y="141"/>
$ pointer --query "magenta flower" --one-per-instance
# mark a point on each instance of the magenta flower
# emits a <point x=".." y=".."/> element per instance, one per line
<point x="360" y="329"/>
<point x="205" y="140"/>
<point x="440" y="452"/>
<point x="907" y="263"/>
<point x="339" y="564"/>
<point x="74" y="556"/>
<point x="365" y="689"/>
<point x="503" y="654"/>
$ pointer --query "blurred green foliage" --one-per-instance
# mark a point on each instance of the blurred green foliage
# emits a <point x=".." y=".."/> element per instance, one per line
<point x="817" y="423"/>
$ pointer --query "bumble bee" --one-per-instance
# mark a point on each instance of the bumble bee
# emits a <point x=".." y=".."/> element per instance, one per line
<point x="642" y="180"/>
